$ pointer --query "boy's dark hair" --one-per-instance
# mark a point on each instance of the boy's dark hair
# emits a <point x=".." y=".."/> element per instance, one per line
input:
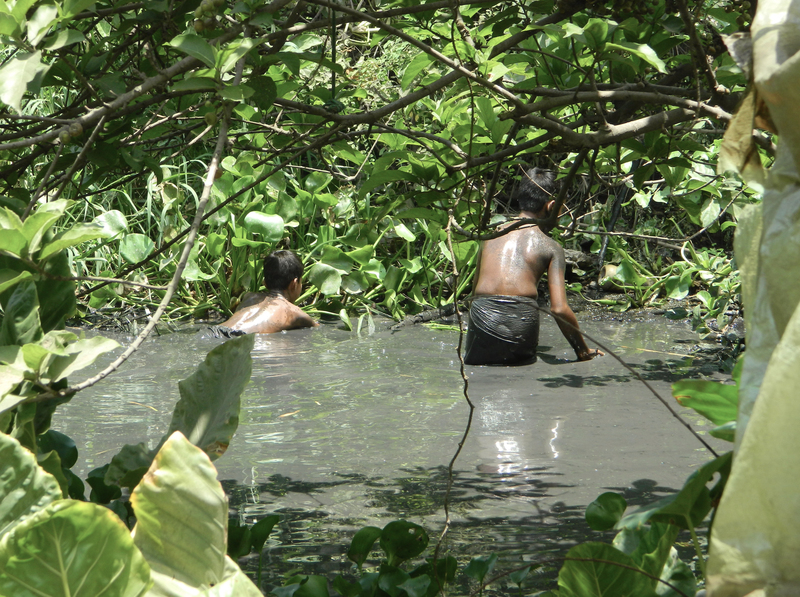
<point x="536" y="188"/>
<point x="280" y="268"/>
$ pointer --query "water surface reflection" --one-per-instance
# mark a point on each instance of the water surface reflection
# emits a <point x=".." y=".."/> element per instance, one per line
<point x="338" y="431"/>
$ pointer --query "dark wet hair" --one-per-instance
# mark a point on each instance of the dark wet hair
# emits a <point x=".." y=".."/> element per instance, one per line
<point x="280" y="268"/>
<point x="536" y="188"/>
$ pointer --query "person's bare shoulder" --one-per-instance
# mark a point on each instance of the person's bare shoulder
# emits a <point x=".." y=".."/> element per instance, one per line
<point x="301" y="319"/>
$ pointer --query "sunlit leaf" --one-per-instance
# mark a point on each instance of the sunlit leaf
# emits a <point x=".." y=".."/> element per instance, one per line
<point x="326" y="278"/>
<point x="17" y="74"/>
<point x="269" y="226"/>
<point x="181" y="528"/>
<point x="642" y="51"/>
<point x="81" y="354"/>
<point x="208" y="410"/>
<point x="196" y="47"/>
<point x="73" y="236"/>
<point x="135" y="247"/>
<point x="26" y="488"/>
<point x="72" y="548"/>
<point x="716" y="401"/>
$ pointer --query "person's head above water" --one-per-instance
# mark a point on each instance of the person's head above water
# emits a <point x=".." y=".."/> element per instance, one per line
<point x="283" y="271"/>
<point x="535" y="190"/>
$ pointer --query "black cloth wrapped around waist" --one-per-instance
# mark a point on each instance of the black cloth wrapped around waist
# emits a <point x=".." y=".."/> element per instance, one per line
<point x="502" y="330"/>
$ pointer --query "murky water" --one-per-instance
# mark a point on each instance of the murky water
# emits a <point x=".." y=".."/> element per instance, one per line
<point x="338" y="431"/>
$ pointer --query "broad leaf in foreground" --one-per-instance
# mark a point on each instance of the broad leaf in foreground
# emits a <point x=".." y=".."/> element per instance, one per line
<point x="25" y="487"/>
<point x="71" y="548"/>
<point x="181" y="528"/>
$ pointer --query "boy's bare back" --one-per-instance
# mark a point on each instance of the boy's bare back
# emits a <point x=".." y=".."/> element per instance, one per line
<point x="273" y="314"/>
<point x="513" y="264"/>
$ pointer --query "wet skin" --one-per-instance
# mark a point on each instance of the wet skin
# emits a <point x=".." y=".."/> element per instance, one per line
<point x="512" y="265"/>
<point x="274" y="312"/>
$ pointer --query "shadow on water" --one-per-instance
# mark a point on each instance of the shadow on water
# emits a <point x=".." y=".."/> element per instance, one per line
<point x="339" y="431"/>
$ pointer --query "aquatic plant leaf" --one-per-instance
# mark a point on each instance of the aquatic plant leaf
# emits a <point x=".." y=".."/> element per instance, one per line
<point x="101" y="493"/>
<point x="604" y="512"/>
<point x="181" y="526"/>
<point x="591" y="570"/>
<point x="690" y="505"/>
<point x="208" y="410"/>
<point x="269" y="226"/>
<point x="391" y="578"/>
<point x="326" y="278"/>
<point x="26" y="487"/>
<point x="519" y="576"/>
<point x="479" y="567"/>
<point x="345" y="588"/>
<point x="238" y="539"/>
<point x="648" y="546"/>
<point x="402" y="540"/>
<point x="70" y="548"/>
<point x="362" y="544"/>
<point x="261" y="530"/>
<point x="135" y="247"/>
<point x="312" y="585"/>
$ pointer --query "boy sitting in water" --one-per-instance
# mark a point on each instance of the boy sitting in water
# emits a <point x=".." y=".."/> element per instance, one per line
<point x="273" y="311"/>
<point x="503" y="318"/>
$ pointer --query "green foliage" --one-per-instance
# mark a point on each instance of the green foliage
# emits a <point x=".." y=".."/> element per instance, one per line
<point x="327" y="156"/>
<point x="207" y="412"/>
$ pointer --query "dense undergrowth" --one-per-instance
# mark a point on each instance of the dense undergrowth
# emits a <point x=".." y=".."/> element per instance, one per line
<point x="151" y="154"/>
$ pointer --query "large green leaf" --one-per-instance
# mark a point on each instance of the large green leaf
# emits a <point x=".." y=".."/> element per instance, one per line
<point x="599" y="570"/>
<point x="604" y="512"/>
<point x="648" y="546"/>
<point x="15" y="75"/>
<point x="71" y="548"/>
<point x="402" y="540"/>
<point x="26" y="488"/>
<point x="208" y="410"/>
<point x="80" y="354"/>
<point x="56" y="296"/>
<point x="73" y="236"/>
<point x="135" y="247"/>
<point x="690" y="505"/>
<point x="326" y="278"/>
<point x="361" y="544"/>
<point x="269" y="226"/>
<point x="181" y="528"/>
<point x="21" y="323"/>
<point x="196" y="47"/>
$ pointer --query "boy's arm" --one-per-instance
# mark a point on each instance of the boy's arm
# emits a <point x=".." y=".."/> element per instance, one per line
<point x="565" y="317"/>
